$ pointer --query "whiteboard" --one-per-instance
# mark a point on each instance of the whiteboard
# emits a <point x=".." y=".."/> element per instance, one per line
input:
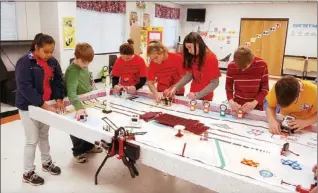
<point x="8" y="21"/>
<point x="104" y="31"/>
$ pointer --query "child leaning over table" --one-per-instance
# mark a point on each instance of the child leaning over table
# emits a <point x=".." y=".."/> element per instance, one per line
<point x="248" y="75"/>
<point x="77" y="80"/>
<point x="296" y="98"/>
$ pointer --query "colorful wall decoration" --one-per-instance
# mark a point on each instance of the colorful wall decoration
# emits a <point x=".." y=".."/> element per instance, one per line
<point x="69" y="40"/>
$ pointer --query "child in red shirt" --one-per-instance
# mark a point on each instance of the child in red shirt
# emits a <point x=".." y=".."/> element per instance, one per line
<point x="129" y="70"/>
<point x="202" y="68"/>
<point x="165" y="68"/>
<point x="249" y="76"/>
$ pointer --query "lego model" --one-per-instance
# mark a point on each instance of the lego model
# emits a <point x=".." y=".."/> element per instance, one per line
<point x="223" y="109"/>
<point x="167" y="101"/>
<point x="107" y="107"/>
<point x="192" y="105"/>
<point x="135" y="119"/>
<point x="206" y="106"/>
<point x="285" y="127"/>
<point x="240" y="114"/>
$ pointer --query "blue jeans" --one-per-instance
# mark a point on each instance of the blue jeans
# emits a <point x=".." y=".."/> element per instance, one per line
<point x="265" y="105"/>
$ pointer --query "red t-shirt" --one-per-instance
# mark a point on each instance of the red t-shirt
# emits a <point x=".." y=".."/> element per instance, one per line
<point x="209" y="71"/>
<point x="129" y="72"/>
<point x="48" y="75"/>
<point x="167" y="73"/>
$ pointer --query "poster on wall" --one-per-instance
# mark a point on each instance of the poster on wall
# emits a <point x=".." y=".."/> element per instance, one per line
<point x="272" y="29"/>
<point x="68" y="33"/>
<point x="266" y="33"/>
<point x="253" y="40"/>
<point x="146" y="20"/>
<point x="133" y="19"/>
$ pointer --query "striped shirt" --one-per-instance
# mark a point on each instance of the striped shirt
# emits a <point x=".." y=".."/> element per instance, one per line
<point x="247" y="85"/>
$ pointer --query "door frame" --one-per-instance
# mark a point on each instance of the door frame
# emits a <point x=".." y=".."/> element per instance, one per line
<point x="268" y="19"/>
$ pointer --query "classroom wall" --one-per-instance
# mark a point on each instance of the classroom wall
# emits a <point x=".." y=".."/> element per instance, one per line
<point x="229" y="16"/>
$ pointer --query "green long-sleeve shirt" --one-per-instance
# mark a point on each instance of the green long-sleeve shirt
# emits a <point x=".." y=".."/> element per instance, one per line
<point x="77" y="81"/>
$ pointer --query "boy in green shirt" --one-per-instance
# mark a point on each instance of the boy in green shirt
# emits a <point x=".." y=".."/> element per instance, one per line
<point x="77" y="82"/>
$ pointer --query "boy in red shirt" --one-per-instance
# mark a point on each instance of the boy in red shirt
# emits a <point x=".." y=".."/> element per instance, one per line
<point x="165" y="68"/>
<point x="249" y="76"/>
<point x="129" y="70"/>
<point x="202" y="68"/>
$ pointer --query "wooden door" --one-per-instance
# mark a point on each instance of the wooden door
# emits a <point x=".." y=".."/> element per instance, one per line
<point x="271" y="45"/>
<point x="249" y="29"/>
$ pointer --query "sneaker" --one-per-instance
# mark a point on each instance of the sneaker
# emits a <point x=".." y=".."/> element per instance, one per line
<point x="51" y="168"/>
<point x="80" y="158"/>
<point x="96" y="149"/>
<point x="33" y="179"/>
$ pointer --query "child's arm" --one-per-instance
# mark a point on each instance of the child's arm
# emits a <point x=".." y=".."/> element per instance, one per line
<point x="274" y="126"/>
<point x="264" y="86"/>
<point x="229" y="82"/>
<point x="71" y="87"/>
<point x="300" y="124"/>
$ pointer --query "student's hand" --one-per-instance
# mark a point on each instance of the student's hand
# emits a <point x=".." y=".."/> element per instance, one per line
<point x="249" y="106"/>
<point x="298" y="124"/>
<point x="314" y="190"/>
<point x="274" y="126"/>
<point x="191" y="96"/>
<point x="117" y="88"/>
<point x="158" y="97"/>
<point x="234" y="105"/>
<point x="60" y="106"/>
<point x="79" y="113"/>
<point x="314" y="169"/>
<point x="48" y="107"/>
<point x="170" y="92"/>
<point x="131" y="89"/>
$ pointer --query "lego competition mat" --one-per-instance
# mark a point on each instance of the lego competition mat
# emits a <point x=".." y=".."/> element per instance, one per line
<point x="240" y="146"/>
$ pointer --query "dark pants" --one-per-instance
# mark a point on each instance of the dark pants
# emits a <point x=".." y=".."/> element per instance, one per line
<point x="80" y="146"/>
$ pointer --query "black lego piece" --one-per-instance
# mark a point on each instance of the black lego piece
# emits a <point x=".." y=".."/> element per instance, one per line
<point x="129" y="153"/>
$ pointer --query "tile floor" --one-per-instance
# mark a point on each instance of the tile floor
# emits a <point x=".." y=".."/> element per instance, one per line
<point x="114" y="178"/>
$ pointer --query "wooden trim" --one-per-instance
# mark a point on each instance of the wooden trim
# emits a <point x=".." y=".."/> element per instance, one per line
<point x="304" y="57"/>
<point x="266" y="19"/>
<point x="107" y="53"/>
<point x="282" y="69"/>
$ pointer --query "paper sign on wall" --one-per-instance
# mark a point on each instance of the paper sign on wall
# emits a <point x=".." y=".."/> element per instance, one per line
<point x="69" y="33"/>
<point x="253" y="40"/>
<point x="247" y="44"/>
<point x="278" y="25"/>
<point x="258" y="35"/>
<point x="272" y="29"/>
<point x="293" y="33"/>
<point x="266" y="33"/>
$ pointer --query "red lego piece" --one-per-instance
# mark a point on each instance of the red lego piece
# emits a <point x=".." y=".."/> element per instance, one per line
<point x="121" y="153"/>
<point x="300" y="189"/>
<point x="179" y="134"/>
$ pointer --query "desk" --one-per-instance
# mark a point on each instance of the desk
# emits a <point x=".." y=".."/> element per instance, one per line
<point x="214" y="164"/>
